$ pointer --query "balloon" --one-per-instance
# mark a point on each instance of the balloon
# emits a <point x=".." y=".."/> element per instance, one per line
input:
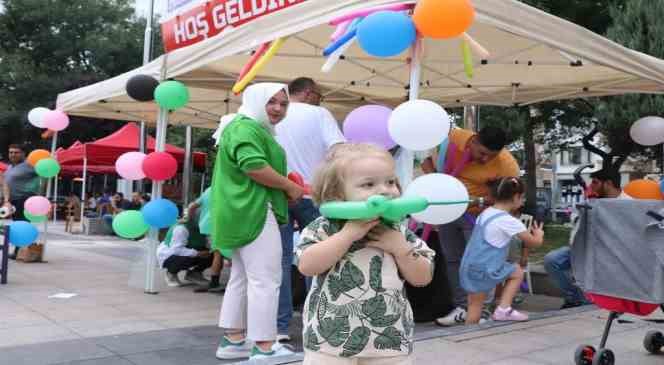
<point x="644" y="189"/>
<point x="36" y="116"/>
<point x="171" y="95"/>
<point x="438" y="187"/>
<point x="37" y="155"/>
<point x="393" y="210"/>
<point x="661" y="186"/>
<point x="130" y="224"/>
<point x="141" y="87"/>
<point x="22" y="233"/>
<point x="369" y="124"/>
<point x="227" y="252"/>
<point x="160" y="213"/>
<point x="648" y="131"/>
<point x="35" y="218"/>
<point x="160" y="166"/>
<point x="386" y="33"/>
<point x="47" y="168"/>
<point x="258" y="66"/>
<point x="37" y="205"/>
<point x="56" y="120"/>
<point x="443" y="18"/>
<point x="419" y="125"/>
<point x="130" y="165"/>
<point x="340" y="42"/>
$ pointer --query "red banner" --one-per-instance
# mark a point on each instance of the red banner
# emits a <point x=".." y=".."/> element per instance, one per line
<point x="213" y="16"/>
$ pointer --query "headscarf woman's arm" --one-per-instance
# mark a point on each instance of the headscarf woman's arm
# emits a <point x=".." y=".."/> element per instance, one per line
<point x="269" y="177"/>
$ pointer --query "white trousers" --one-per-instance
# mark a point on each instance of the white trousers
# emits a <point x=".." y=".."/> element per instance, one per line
<point x="252" y="293"/>
<point x="317" y="358"/>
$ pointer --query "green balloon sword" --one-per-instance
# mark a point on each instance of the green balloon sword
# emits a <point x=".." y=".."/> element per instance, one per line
<point x="391" y="210"/>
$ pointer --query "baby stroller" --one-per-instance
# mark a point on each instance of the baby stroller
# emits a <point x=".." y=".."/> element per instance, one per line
<point x="618" y="261"/>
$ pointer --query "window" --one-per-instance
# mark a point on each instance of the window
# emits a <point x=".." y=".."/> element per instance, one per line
<point x="575" y="154"/>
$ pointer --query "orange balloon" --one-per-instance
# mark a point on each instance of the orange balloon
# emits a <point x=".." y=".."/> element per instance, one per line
<point x="443" y="18"/>
<point x="644" y="189"/>
<point x="37" y="155"/>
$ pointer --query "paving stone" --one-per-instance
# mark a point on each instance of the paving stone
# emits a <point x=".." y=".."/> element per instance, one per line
<point x="53" y="353"/>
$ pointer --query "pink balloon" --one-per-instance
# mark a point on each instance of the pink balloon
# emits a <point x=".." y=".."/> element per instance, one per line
<point x="130" y="165"/>
<point x="56" y="120"/>
<point x="37" y="205"/>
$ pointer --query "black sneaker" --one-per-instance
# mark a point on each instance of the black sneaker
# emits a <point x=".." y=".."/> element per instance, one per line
<point x="568" y="305"/>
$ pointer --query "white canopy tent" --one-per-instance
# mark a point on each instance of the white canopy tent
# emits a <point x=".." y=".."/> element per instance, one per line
<point x="534" y="57"/>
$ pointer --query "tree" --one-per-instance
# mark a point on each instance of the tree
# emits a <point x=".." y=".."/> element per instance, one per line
<point x="636" y="24"/>
<point x="51" y="46"/>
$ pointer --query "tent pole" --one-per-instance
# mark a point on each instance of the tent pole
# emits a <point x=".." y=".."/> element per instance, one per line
<point x="142" y="147"/>
<point x="153" y="241"/>
<point x="147" y="56"/>
<point x="83" y="187"/>
<point x="202" y="184"/>
<point x="407" y="161"/>
<point x="186" y="174"/>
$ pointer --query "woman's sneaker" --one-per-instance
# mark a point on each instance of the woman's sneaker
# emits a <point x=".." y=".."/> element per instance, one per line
<point x="277" y="350"/>
<point x="509" y="314"/>
<point x="229" y="350"/>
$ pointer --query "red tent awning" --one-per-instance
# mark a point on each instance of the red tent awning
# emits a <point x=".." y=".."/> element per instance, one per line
<point x="103" y="153"/>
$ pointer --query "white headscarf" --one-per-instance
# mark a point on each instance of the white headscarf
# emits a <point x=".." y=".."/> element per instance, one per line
<point x="254" y="101"/>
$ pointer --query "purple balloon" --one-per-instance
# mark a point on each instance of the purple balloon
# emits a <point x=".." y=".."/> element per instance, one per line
<point x="368" y="124"/>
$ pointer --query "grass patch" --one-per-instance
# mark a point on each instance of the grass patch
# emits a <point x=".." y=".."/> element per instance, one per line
<point x="555" y="236"/>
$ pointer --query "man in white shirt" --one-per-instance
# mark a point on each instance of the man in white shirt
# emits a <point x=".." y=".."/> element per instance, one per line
<point x="307" y="133"/>
<point x="558" y="263"/>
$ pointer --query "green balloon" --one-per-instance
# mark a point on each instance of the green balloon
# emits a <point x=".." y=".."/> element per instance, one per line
<point x="35" y="218"/>
<point x="47" y="168"/>
<point x="393" y="210"/>
<point x="171" y="95"/>
<point x="130" y="224"/>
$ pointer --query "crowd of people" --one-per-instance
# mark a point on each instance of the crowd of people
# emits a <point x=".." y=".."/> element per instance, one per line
<point x="368" y="281"/>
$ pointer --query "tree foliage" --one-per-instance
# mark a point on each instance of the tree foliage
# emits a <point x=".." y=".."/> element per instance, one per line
<point x="51" y="46"/>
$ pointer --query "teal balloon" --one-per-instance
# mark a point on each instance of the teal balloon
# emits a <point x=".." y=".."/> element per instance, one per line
<point x="47" y="168"/>
<point x="227" y="252"/>
<point x="171" y="95"/>
<point x="35" y="218"/>
<point x="392" y="210"/>
<point x="130" y="224"/>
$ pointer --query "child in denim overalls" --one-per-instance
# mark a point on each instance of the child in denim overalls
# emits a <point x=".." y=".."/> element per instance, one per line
<point x="484" y="263"/>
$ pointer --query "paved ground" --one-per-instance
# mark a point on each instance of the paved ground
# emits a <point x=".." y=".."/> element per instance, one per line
<point x="111" y="320"/>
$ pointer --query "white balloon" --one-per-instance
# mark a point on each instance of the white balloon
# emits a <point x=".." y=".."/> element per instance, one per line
<point x="648" y="131"/>
<point x="439" y="188"/>
<point x="419" y="125"/>
<point x="36" y="116"/>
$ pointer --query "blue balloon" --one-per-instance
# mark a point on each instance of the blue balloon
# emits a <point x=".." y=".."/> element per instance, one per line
<point x="160" y="213"/>
<point x="386" y="33"/>
<point x="661" y="186"/>
<point x="22" y="233"/>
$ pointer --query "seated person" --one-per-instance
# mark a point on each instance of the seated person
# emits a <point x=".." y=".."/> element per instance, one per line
<point x="117" y="204"/>
<point x="184" y="248"/>
<point x="558" y="263"/>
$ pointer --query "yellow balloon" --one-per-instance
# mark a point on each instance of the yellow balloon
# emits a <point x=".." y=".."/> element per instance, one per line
<point x="274" y="48"/>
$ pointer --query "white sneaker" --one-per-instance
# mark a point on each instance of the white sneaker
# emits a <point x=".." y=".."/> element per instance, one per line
<point x="172" y="280"/>
<point x="278" y="350"/>
<point x="454" y="318"/>
<point x="228" y="350"/>
<point x="283" y="338"/>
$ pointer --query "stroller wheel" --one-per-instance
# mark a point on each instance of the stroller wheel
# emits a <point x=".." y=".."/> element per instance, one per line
<point x="604" y="357"/>
<point x="653" y="342"/>
<point x="584" y="355"/>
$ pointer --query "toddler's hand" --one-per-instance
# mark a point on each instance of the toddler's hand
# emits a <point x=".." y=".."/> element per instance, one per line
<point x="355" y="230"/>
<point x="537" y="229"/>
<point x="388" y="240"/>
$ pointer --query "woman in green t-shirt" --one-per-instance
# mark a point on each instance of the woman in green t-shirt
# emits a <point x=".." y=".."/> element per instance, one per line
<point x="249" y="200"/>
